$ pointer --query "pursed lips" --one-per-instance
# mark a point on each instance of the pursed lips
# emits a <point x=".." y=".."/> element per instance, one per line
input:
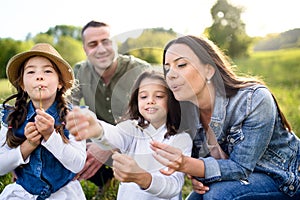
<point x="40" y="87"/>
<point x="175" y="87"/>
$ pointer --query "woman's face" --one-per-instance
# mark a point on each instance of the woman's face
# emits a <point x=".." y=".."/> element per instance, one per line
<point x="40" y="81"/>
<point x="185" y="74"/>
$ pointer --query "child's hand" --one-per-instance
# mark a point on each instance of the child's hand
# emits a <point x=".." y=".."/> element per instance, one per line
<point x="127" y="170"/>
<point x="125" y="164"/>
<point x="83" y="124"/>
<point x="32" y="134"/>
<point x="33" y="139"/>
<point x="44" y="123"/>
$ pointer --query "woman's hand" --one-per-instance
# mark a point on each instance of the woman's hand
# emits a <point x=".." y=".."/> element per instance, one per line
<point x="127" y="170"/>
<point x="169" y="156"/>
<point x="198" y="186"/>
<point x="44" y="123"/>
<point x="83" y="124"/>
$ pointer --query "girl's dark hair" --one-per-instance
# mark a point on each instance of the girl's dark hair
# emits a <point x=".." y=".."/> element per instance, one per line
<point x="173" y="112"/>
<point x="227" y="83"/>
<point x="18" y="113"/>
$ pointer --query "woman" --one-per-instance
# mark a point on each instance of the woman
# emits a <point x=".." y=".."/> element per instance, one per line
<point x="251" y="151"/>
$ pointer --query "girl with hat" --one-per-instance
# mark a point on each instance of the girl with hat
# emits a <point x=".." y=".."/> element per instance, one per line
<point x="34" y="142"/>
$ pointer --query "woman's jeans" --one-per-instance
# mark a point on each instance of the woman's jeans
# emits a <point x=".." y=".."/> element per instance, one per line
<point x="258" y="187"/>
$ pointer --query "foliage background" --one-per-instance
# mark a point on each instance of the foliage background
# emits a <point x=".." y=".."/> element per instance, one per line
<point x="275" y="59"/>
<point x="279" y="69"/>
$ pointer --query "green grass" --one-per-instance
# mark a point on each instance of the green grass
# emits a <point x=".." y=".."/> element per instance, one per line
<point x="279" y="69"/>
<point x="6" y="89"/>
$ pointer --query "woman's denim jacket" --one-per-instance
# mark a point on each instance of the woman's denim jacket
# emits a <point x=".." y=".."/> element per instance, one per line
<point x="249" y="129"/>
<point x="44" y="174"/>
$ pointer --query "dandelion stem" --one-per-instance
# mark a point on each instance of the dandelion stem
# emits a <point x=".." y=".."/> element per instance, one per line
<point x="41" y="104"/>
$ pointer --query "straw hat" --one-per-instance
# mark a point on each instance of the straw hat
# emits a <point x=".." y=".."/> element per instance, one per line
<point x="40" y="49"/>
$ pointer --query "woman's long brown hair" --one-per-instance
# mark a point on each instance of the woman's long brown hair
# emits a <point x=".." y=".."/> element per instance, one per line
<point x="225" y="80"/>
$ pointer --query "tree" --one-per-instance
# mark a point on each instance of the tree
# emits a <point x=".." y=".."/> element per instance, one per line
<point x="65" y="30"/>
<point x="43" y="38"/>
<point x="287" y="39"/>
<point x="149" y="45"/>
<point x="9" y="48"/>
<point x="228" y="30"/>
<point x="70" y="49"/>
<point x="67" y="41"/>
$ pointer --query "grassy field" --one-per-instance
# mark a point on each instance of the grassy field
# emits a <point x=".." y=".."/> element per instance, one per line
<point x="6" y="89"/>
<point x="279" y="69"/>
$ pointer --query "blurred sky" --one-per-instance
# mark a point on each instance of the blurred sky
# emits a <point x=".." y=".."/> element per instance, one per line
<point x="18" y="17"/>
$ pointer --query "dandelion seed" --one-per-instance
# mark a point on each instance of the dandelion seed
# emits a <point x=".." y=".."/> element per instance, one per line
<point x="136" y="124"/>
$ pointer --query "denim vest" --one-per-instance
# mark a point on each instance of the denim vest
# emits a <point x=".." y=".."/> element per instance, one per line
<point x="249" y="129"/>
<point x="44" y="174"/>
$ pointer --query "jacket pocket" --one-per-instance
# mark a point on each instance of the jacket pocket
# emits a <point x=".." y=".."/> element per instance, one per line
<point x="234" y="137"/>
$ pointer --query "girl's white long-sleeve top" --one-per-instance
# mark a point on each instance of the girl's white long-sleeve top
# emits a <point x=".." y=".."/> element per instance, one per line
<point x="71" y="155"/>
<point x="136" y="143"/>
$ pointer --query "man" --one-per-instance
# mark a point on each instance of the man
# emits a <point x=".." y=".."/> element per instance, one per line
<point x="105" y="80"/>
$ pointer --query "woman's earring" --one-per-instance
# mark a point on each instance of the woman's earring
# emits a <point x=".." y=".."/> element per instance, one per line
<point x="208" y="81"/>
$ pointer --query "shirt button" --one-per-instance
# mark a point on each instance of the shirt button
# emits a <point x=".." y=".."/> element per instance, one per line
<point x="109" y="110"/>
<point x="291" y="187"/>
<point x="107" y="98"/>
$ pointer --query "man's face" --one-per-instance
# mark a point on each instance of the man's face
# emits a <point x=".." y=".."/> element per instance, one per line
<point x="98" y="47"/>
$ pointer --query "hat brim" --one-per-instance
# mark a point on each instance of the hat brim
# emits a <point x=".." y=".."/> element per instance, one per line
<point x="14" y="64"/>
